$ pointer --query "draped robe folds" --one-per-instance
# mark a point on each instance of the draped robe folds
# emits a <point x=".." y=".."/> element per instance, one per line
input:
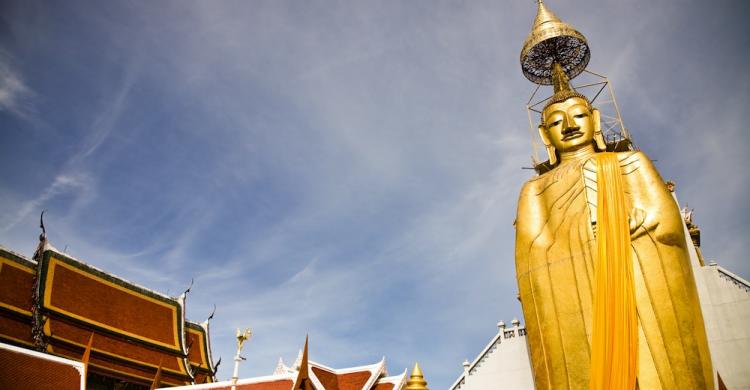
<point x="556" y="251"/>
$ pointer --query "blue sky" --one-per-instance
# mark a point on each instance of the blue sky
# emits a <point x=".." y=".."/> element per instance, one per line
<point x="347" y="169"/>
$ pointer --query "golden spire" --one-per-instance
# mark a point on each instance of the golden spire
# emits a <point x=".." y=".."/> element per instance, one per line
<point x="543" y="15"/>
<point x="552" y="41"/>
<point x="303" y="377"/>
<point x="416" y="381"/>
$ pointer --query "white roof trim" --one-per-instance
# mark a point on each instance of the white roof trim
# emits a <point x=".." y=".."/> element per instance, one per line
<point x="732" y="275"/>
<point x="374" y="369"/>
<point x="248" y="381"/>
<point x="397" y="380"/>
<point x="17" y="254"/>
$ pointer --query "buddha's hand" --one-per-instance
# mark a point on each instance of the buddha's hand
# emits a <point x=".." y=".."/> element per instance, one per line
<point x="635" y="221"/>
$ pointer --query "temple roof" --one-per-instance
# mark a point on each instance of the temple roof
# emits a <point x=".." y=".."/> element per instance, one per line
<point x="23" y="368"/>
<point x="16" y="284"/>
<point x="368" y="377"/>
<point x="199" y="351"/>
<point x="56" y="303"/>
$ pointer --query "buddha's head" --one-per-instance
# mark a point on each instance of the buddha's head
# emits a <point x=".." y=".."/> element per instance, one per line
<point x="569" y="122"/>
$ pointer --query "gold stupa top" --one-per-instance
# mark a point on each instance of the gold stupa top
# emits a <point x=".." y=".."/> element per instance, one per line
<point x="552" y="41"/>
<point x="416" y="381"/>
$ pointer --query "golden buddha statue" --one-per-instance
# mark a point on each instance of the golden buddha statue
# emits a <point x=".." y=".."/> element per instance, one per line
<point x="603" y="272"/>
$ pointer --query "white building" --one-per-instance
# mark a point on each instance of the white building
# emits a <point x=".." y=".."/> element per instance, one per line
<point x="504" y="363"/>
<point x="725" y="302"/>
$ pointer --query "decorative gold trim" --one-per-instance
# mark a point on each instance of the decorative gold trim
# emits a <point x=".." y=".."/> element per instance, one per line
<point x="16" y="264"/>
<point x="22" y="267"/>
<point x="15" y="309"/>
<point x="24" y="342"/>
<point x="127" y="374"/>
<point x="204" y="361"/>
<point x="47" y="302"/>
<point x="120" y="357"/>
<point x="171" y="381"/>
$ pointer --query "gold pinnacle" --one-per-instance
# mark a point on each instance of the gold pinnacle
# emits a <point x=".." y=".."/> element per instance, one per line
<point x="544" y="15"/>
<point x="416" y="381"/>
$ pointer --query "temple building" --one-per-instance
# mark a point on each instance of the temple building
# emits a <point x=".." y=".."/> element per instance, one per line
<point x="305" y="374"/>
<point x="725" y="303"/>
<point x="62" y="307"/>
<point x="65" y="324"/>
<point x="503" y="363"/>
<point x="22" y="368"/>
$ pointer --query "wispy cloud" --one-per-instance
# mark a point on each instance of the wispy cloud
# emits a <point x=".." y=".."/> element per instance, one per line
<point x="106" y="121"/>
<point x="15" y="95"/>
<point x="62" y="184"/>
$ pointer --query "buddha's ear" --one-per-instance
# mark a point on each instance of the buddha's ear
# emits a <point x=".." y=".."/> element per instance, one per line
<point x="598" y="136"/>
<point x="548" y="145"/>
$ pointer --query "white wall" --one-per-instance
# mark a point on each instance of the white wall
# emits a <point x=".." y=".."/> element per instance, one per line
<point x="504" y="363"/>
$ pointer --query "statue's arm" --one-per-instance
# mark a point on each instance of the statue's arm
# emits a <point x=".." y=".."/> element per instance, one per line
<point x="653" y="209"/>
<point x="530" y="218"/>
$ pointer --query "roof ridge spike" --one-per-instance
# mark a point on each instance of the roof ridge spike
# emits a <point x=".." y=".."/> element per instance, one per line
<point x="303" y="381"/>
<point x="280" y="367"/>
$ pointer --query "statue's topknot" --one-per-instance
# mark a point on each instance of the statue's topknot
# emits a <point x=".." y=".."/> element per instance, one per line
<point x="563" y="90"/>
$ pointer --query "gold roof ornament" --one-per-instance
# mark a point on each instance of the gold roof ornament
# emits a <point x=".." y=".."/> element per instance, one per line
<point x="416" y="381"/>
<point x="552" y="41"/>
<point x="303" y="381"/>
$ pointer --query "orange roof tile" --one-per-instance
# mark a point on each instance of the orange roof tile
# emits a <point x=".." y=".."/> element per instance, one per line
<point x="22" y="369"/>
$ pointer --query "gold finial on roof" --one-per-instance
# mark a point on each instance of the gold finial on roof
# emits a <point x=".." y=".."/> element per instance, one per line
<point x="303" y="381"/>
<point x="551" y="41"/>
<point x="416" y="381"/>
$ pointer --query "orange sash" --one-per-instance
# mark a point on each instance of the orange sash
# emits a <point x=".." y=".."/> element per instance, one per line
<point x="614" y="342"/>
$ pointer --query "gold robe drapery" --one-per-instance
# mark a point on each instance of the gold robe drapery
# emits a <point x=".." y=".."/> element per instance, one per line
<point x="556" y="254"/>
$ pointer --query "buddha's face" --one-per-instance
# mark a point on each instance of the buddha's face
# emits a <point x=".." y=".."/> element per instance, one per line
<point x="569" y="125"/>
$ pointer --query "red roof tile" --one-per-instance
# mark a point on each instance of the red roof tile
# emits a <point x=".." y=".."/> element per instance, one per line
<point x="22" y="369"/>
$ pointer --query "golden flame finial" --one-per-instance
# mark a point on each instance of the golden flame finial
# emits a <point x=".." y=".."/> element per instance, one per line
<point x="416" y="381"/>
<point x="552" y="41"/>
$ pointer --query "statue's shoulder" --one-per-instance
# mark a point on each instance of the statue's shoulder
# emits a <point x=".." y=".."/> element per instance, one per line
<point x="631" y="156"/>
<point x="535" y="184"/>
<point x="635" y="161"/>
<point x="530" y="187"/>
